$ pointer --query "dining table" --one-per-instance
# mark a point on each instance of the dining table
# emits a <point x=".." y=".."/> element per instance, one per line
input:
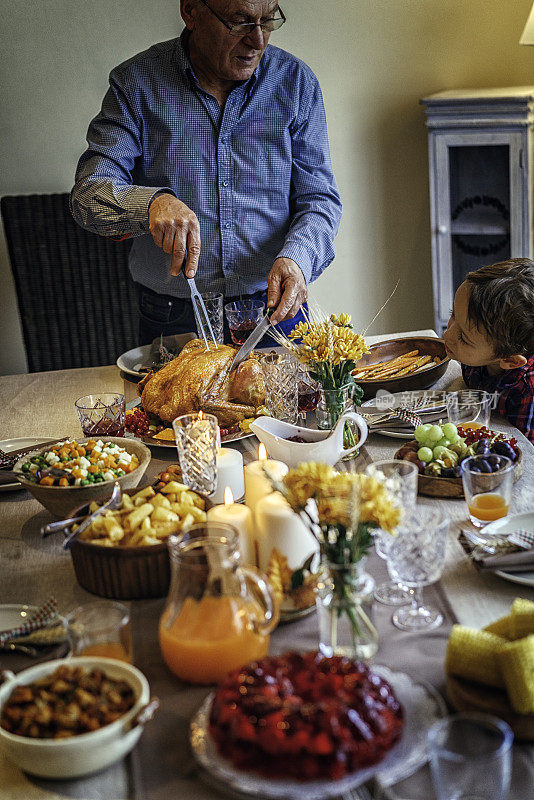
<point x="162" y="765"/>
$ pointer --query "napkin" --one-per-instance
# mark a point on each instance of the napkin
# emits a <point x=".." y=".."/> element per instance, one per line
<point x="521" y="561"/>
<point x="41" y="618"/>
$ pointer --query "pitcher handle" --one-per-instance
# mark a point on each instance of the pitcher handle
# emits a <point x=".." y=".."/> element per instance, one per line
<point x="362" y="427"/>
<point x="260" y="586"/>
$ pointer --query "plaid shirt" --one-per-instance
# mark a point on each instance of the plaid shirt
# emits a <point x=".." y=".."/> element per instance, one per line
<point x="256" y="172"/>
<point x="515" y="391"/>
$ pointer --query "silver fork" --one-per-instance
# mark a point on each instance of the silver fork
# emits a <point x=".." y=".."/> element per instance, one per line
<point x="201" y="315"/>
<point x="113" y="502"/>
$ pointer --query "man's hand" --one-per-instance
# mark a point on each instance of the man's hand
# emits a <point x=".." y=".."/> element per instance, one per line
<point x="174" y="228"/>
<point x="287" y="289"/>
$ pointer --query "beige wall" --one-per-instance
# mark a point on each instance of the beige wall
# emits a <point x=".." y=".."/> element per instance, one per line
<point x="374" y="60"/>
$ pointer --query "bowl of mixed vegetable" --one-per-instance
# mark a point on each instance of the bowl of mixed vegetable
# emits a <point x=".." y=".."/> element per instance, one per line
<point x="78" y="471"/>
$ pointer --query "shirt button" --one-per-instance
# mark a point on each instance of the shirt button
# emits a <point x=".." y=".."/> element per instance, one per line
<point x="227" y="224"/>
<point x="223" y="139"/>
<point x="225" y="183"/>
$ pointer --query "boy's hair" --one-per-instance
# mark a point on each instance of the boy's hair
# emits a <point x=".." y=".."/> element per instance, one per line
<point x="502" y="302"/>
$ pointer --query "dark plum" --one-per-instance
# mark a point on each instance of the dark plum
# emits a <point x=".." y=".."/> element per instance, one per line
<point x="505" y="449"/>
<point x="483" y="443"/>
<point x="447" y="472"/>
<point x="484" y="466"/>
<point x="494" y="462"/>
<point x="483" y="450"/>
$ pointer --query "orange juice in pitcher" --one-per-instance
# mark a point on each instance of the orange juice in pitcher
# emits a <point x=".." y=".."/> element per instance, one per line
<point x="218" y="615"/>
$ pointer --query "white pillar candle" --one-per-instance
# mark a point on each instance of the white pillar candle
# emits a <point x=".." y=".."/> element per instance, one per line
<point x="257" y="485"/>
<point x="229" y="473"/>
<point x="277" y="526"/>
<point x="239" y="517"/>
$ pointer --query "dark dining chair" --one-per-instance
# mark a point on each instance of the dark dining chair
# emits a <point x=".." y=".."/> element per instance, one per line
<point x="76" y="298"/>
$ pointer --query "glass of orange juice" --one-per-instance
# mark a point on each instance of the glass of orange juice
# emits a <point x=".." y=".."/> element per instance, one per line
<point x="218" y="614"/>
<point x="469" y="408"/>
<point x="488" y="493"/>
<point x="101" y="628"/>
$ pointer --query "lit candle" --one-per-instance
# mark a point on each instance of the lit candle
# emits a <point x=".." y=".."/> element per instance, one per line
<point x="278" y="527"/>
<point x="240" y="518"/>
<point x="229" y="473"/>
<point x="257" y="485"/>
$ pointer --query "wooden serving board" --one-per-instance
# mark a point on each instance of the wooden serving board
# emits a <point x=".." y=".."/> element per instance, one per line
<point x="453" y="487"/>
<point x="469" y="696"/>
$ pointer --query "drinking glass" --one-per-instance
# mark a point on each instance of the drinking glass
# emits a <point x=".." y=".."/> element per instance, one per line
<point x="101" y="628"/>
<point x="214" y="309"/>
<point x="102" y="414"/>
<point x="401" y="481"/>
<point x="197" y="442"/>
<point x="416" y="558"/>
<point x="308" y="391"/>
<point x="488" y="494"/>
<point x="243" y="316"/>
<point x="470" y="757"/>
<point x="280" y="373"/>
<point x="470" y="408"/>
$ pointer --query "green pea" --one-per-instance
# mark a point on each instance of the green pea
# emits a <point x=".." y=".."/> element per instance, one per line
<point x="84" y="482"/>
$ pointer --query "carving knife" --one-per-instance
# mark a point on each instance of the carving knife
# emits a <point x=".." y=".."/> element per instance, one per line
<point x="248" y="346"/>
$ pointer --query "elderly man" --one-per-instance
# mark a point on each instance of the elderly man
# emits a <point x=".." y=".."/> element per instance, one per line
<point x="212" y="151"/>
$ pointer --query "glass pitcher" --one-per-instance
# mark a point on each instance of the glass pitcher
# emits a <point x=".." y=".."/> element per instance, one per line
<point x="218" y="614"/>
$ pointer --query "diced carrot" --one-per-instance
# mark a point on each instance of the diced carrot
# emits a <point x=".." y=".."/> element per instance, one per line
<point x="90" y="444"/>
<point x="80" y="450"/>
<point x="93" y="468"/>
<point x="63" y="482"/>
<point x="48" y="480"/>
<point x="77" y="472"/>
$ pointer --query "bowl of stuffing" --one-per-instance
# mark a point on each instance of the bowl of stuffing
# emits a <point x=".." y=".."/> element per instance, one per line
<point x="65" y="719"/>
<point x="78" y="471"/>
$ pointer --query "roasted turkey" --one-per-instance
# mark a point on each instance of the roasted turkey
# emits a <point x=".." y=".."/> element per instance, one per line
<point x="201" y="379"/>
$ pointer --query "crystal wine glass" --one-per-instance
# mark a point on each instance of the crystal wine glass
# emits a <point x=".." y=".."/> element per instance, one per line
<point x="401" y="481"/>
<point x="416" y="558"/>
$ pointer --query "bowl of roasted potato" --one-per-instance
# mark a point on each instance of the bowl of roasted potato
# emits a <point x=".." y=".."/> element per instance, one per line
<point x="68" y="718"/>
<point x="123" y="554"/>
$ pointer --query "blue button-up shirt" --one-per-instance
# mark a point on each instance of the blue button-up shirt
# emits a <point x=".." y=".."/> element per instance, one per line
<point x="256" y="172"/>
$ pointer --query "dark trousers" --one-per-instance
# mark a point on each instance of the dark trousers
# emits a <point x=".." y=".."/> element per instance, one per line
<point x="163" y="315"/>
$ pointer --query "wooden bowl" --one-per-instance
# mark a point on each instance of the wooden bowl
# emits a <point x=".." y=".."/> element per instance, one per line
<point x="391" y="348"/>
<point x="120" y="573"/>
<point x="59" y="500"/>
<point x="466" y="695"/>
<point x="452" y="487"/>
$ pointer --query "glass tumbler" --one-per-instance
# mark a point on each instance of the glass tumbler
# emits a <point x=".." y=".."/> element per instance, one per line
<point x="280" y="373"/>
<point x="488" y="494"/>
<point x="101" y="628"/>
<point x="197" y="442"/>
<point x="470" y="757"/>
<point x="243" y="316"/>
<point x="470" y="408"/>
<point x="214" y="309"/>
<point x="400" y="479"/>
<point x="102" y="414"/>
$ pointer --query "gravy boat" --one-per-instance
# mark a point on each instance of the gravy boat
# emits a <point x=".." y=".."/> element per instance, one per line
<point x="324" y="446"/>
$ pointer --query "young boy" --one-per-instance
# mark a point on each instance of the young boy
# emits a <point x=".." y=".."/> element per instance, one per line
<point x="491" y="333"/>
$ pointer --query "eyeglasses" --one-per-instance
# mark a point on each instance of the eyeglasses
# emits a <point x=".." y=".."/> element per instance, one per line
<point x="244" y="28"/>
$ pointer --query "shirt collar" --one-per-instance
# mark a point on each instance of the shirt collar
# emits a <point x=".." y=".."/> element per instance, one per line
<point x="507" y="377"/>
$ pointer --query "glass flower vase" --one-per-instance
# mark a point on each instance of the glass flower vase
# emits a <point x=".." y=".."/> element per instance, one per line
<point x="344" y="609"/>
<point x="332" y="403"/>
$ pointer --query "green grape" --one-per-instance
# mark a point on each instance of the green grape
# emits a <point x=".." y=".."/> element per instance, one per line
<point x="438" y="450"/>
<point x="454" y="438"/>
<point x="443" y="442"/>
<point x="450" y="431"/>
<point x="421" y="433"/>
<point x="424" y="454"/>
<point x="434" y="434"/>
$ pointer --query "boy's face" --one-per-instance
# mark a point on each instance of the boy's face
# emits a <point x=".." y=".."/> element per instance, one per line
<point x="464" y="341"/>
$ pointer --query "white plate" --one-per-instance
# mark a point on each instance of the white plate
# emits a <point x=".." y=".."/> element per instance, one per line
<point x="17" y="444"/>
<point x="422" y="706"/>
<point x="130" y="361"/>
<point x="507" y="525"/>
<point x="391" y="400"/>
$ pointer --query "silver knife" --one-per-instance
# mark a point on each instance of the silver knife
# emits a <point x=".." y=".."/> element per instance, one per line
<point x="248" y="346"/>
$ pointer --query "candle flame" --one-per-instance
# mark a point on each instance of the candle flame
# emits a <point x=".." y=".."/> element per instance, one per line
<point x="262" y="452"/>
<point x="228" y="497"/>
<point x="200" y="414"/>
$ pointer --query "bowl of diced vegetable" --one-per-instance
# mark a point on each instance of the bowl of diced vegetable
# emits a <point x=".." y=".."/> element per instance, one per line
<point x="79" y="471"/>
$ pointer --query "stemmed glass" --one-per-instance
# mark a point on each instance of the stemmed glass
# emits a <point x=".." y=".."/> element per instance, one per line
<point x="416" y="558"/>
<point x="401" y="481"/>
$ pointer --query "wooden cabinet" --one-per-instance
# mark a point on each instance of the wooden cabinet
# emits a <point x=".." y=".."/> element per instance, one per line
<point x="480" y="158"/>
